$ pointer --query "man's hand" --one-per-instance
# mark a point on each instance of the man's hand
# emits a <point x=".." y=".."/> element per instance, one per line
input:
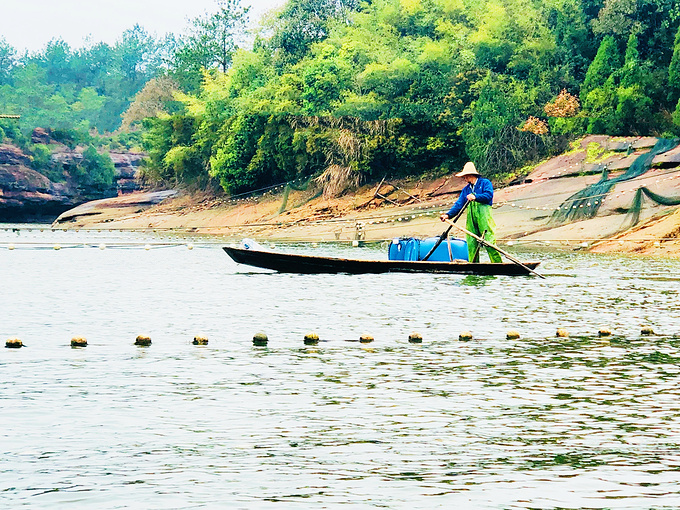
<point x="444" y="217"/>
<point x="471" y="198"/>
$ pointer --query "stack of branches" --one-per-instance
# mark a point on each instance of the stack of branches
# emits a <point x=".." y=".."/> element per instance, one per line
<point x="391" y="193"/>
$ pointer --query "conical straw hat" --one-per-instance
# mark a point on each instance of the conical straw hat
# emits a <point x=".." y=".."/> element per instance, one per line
<point x="468" y="169"/>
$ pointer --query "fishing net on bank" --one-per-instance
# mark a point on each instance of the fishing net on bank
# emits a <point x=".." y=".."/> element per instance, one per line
<point x="299" y="185"/>
<point x="585" y="203"/>
<point x="636" y="206"/>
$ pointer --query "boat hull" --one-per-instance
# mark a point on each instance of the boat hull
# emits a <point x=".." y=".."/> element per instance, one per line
<point x="308" y="264"/>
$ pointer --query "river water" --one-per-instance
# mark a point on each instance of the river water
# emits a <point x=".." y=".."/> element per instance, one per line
<point x="538" y="422"/>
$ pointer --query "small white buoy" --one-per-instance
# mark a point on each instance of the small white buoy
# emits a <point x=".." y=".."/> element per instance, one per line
<point x="102" y="246"/>
<point x="355" y="243"/>
<point x="10" y="246"/>
<point x="57" y="247"/>
<point x="147" y="247"/>
<point x="190" y="246"/>
<point x="511" y="243"/>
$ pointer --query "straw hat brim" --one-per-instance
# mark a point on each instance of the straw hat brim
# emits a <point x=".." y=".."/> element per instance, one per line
<point x="468" y="169"/>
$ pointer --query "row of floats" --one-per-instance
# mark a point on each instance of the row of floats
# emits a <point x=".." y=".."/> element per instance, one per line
<point x="261" y="339"/>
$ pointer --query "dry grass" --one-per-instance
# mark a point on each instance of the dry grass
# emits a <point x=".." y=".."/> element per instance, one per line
<point x="336" y="179"/>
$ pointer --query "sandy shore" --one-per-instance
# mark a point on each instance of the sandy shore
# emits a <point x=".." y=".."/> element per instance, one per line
<point x="411" y="208"/>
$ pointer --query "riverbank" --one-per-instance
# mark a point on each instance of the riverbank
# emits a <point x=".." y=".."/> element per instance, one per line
<point x="524" y="212"/>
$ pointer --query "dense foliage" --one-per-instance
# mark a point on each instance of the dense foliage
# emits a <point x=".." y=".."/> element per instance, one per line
<point x="349" y="90"/>
<point x="359" y="90"/>
<point x="77" y="89"/>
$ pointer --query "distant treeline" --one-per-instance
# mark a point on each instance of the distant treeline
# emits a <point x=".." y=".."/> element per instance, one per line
<point x="349" y="91"/>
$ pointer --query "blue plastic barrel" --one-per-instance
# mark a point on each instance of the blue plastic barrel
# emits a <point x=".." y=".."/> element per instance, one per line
<point x="416" y="249"/>
<point x="412" y="249"/>
<point x="396" y="249"/>
<point x="404" y="249"/>
<point x="459" y="249"/>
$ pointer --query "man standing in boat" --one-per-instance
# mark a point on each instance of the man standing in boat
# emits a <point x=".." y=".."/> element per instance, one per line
<point x="478" y="193"/>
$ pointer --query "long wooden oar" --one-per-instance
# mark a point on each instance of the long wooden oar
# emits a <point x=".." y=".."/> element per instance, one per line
<point x="445" y="233"/>
<point x="487" y="243"/>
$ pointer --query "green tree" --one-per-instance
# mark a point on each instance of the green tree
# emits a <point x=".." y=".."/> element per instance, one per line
<point x="634" y="106"/>
<point x="676" y="118"/>
<point x="234" y="150"/>
<point x="156" y="98"/>
<point x="616" y="17"/>
<point x="603" y="65"/>
<point x="492" y="139"/>
<point x="137" y="58"/>
<point x="7" y="61"/>
<point x="674" y="68"/>
<point x="95" y="171"/>
<point x="324" y="79"/>
<point x="633" y="70"/>
<point x="574" y="45"/>
<point x="302" y="23"/>
<point x="211" y="44"/>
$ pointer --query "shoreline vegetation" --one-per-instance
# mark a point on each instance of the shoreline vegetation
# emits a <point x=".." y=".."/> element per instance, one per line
<point x="524" y="211"/>
<point x="361" y="109"/>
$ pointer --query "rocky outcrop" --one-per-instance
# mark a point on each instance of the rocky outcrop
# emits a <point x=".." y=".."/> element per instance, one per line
<point x="11" y="155"/>
<point x="126" y="166"/>
<point x="41" y="135"/>
<point x="109" y="208"/>
<point x="27" y="195"/>
<point x="127" y="170"/>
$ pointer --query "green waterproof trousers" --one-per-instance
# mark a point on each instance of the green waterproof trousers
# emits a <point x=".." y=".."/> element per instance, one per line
<point x="480" y="222"/>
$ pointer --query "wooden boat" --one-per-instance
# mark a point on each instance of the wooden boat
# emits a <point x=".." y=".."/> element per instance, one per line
<point x="308" y="264"/>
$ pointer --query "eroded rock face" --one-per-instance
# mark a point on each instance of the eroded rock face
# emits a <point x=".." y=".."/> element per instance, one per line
<point x="126" y="164"/>
<point x="11" y="155"/>
<point x="27" y="195"/>
<point x="41" y="135"/>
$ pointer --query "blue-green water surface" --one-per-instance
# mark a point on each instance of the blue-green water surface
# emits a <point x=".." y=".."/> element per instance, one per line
<point x="538" y="422"/>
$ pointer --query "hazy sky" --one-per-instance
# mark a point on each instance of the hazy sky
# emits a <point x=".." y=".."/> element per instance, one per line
<point x="30" y="24"/>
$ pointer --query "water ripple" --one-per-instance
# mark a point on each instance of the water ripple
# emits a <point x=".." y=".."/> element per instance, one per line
<point x="538" y="422"/>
